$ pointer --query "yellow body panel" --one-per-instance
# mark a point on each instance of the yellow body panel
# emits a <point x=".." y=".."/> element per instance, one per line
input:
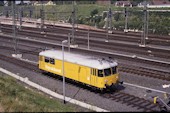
<point x="108" y="80"/>
<point x="78" y="73"/>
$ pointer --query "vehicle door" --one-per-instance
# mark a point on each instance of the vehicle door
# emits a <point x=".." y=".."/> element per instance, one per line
<point x="93" y="75"/>
<point x="83" y="76"/>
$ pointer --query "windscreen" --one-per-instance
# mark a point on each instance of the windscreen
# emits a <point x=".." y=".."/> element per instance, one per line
<point x="107" y="71"/>
<point x="114" y="70"/>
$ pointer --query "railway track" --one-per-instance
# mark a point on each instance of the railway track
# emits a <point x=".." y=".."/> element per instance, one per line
<point x="157" y="40"/>
<point x="118" y="96"/>
<point x="144" y="72"/>
<point x="119" y="36"/>
<point x="64" y="30"/>
<point x="96" y="43"/>
<point x="56" y="27"/>
<point x="23" y="51"/>
<point x="98" y="53"/>
<point x="137" y="70"/>
<point x="131" y="100"/>
<point x="18" y="62"/>
<point x="53" y="26"/>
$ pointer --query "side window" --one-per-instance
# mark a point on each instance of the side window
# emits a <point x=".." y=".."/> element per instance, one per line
<point x="93" y="71"/>
<point x="47" y="59"/>
<point x="52" y="61"/>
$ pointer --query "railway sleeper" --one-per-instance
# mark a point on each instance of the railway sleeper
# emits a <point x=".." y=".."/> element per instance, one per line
<point x="117" y="97"/>
<point x="148" y="105"/>
<point x="138" y="103"/>
<point x="132" y="102"/>
<point x="124" y="99"/>
<point x="138" y="106"/>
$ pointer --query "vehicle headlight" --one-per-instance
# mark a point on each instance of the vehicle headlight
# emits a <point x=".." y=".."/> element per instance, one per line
<point x="105" y="81"/>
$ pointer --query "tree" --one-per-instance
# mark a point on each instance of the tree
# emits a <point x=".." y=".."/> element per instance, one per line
<point x="94" y="12"/>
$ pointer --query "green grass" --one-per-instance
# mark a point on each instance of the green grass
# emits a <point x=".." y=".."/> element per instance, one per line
<point x="16" y="98"/>
<point x="83" y="9"/>
<point x="86" y="9"/>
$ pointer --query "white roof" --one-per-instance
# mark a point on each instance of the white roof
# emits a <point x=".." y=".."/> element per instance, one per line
<point x="88" y="61"/>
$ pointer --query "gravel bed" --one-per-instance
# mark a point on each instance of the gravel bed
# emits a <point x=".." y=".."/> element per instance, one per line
<point x="145" y="82"/>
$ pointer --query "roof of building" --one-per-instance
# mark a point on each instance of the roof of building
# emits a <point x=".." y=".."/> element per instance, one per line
<point x="123" y="2"/>
<point x="88" y="61"/>
<point x="40" y="1"/>
<point x="160" y="2"/>
<point x="156" y="2"/>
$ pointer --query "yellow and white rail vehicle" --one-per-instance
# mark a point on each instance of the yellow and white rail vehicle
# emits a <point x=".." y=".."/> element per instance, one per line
<point x="99" y="73"/>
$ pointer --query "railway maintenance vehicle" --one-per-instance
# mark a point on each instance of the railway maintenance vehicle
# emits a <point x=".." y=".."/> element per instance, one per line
<point x="97" y="73"/>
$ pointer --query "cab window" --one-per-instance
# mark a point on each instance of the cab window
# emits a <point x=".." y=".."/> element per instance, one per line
<point x="52" y="61"/>
<point x="100" y="73"/>
<point x="47" y="59"/>
<point x="107" y="71"/>
<point x="94" y="71"/>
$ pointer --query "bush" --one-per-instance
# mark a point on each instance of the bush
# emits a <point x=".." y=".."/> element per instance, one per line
<point x="94" y="12"/>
